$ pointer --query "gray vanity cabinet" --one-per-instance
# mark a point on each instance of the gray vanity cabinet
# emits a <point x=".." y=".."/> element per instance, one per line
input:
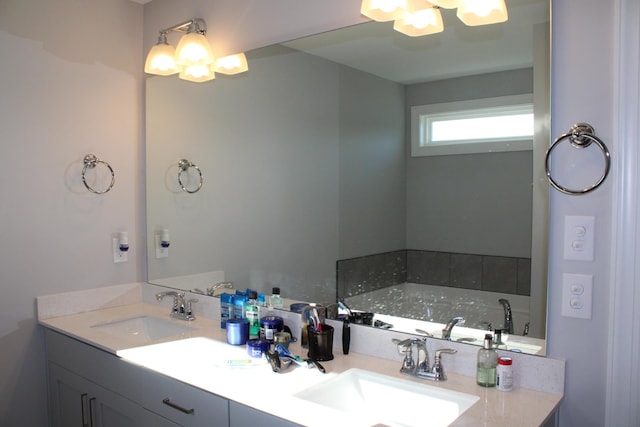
<point x="242" y="416"/>
<point x="89" y="387"/>
<point x="88" y="384"/>
<point x="76" y="401"/>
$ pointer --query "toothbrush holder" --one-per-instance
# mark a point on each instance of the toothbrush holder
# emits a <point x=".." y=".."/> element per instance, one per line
<point x="320" y="343"/>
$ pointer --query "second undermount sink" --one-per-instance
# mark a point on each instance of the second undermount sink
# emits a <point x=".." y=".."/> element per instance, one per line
<point x="148" y="328"/>
<point x="388" y="400"/>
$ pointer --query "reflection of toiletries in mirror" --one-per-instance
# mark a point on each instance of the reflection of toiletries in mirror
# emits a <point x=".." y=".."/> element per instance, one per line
<point x="226" y="308"/>
<point x="276" y="300"/>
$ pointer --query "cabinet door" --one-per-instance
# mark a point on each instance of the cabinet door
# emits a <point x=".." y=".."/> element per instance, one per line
<point x="242" y="416"/>
<point x="77" y="402"/>
<point x="111" y="410"/>
<point x="68" y="399"/>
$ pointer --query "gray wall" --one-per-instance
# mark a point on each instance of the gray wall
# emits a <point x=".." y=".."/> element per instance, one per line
<point x="302" y="160"/>
<point x="372" y="165"/>
<point x="485" y="207"/>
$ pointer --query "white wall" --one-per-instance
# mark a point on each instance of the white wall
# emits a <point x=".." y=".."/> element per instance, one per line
<point x="71" y="85"/>
<point x="62" y="99"/>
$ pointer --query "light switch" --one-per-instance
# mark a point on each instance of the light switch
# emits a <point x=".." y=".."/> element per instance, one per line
<point x="579" y="238"/>
<point x="577" y="292"/>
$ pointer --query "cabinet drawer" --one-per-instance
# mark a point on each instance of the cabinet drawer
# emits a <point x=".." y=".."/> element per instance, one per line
<point x="192" y="407"/>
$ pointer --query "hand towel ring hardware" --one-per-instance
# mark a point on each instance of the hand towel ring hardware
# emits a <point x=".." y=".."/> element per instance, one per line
<point x="184" y="166"/>
<point x="90" y="162"/>
<point x="580" y="136"/>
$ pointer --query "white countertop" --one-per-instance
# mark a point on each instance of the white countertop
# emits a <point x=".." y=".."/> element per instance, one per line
<point x="256" y="386"/>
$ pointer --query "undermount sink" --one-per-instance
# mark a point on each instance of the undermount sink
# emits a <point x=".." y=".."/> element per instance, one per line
<point x="149" y="328"/>
<point x="388" y="400"/>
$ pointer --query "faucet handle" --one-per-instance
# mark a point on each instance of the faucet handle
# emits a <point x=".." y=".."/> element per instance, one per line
<point x="438" y="370"/>
<point x="189" y="308"/>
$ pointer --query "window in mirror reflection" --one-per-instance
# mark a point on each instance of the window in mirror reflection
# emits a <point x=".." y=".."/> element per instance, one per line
<point x="465" y="127"/>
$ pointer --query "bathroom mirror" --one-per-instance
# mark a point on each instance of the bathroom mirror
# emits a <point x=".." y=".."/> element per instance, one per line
<point x="308" y="182"/>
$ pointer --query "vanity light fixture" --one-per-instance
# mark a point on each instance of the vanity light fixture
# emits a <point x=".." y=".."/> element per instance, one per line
<point x="192" y="59"/>
<point x="485" y="12"/>
<point x="232" y="64"/>
<point x="448" y="4"/>
<point x="383" y="10"/>
<point x="422" y="17"/>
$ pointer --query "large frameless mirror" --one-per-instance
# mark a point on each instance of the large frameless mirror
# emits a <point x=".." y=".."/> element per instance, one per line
<point x="307" y="180"/>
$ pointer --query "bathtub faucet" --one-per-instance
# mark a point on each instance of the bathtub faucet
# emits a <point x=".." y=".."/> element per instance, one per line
<point x="508" y="316"/>
<point x="446" y="332"/>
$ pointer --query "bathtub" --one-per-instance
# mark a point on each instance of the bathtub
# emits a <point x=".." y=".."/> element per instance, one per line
<point x="438" y="304"/>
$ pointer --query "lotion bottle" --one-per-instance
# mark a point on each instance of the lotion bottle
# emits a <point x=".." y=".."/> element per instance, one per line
<point x="487" y="364"/>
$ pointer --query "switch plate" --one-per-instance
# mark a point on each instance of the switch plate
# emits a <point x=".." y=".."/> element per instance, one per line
<point x="577" y="290"/>
<point x="118" y="256"/>
<point x="579" y="238"/>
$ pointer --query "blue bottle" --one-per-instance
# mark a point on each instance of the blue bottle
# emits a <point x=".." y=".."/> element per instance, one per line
<point x="226" y="308"/>
<point x="239" y="306"/>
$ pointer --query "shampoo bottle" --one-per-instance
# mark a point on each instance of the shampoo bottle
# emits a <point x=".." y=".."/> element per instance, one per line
<point x="487" y="364"/>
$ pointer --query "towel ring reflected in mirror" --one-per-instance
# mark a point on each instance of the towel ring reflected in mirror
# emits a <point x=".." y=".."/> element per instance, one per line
<point x="581" y="135"/>
<point x="184" y="166"/>
<point x="90" y="162"/>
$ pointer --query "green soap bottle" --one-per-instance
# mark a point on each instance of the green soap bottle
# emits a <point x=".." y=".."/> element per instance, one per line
<point x="487" y="364"/>
<point x="252" y="314"/>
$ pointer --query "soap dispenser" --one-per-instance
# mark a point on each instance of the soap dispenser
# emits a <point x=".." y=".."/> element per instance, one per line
<point x="487" y="364"/>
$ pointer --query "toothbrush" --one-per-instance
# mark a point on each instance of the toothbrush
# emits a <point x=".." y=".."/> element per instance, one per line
<point x="317" y="320"/>
<point x="285" y="353"/>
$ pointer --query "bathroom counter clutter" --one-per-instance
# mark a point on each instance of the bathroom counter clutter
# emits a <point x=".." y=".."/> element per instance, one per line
<point x="196" y="353"/>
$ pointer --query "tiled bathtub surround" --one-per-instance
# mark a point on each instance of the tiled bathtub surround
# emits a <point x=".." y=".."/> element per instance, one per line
<point x="369" y="273"/>
<point x="466" y="271"/>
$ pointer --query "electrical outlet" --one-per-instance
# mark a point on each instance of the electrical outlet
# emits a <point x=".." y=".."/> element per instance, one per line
<point x="577" y="290"/>
<point x="579" y="238"/>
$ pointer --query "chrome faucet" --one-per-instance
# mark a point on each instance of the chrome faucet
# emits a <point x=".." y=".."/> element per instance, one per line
<point x="508" y="316"/>
<point x="419" y="367"/>
<point x="181" y="309"/>
<point x="213" y="288"/>
<point x="446" y="332"/>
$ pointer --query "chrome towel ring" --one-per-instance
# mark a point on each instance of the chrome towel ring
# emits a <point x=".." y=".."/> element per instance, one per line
<point x="184" y="166"/>
<point x="581" y="135"/>
<point x="90" y="162"/>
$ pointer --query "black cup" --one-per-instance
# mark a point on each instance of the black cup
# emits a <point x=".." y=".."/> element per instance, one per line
<point x="321" y="343"/>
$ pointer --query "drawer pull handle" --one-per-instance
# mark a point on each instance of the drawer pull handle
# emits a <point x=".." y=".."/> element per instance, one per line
<point x="83" y="409"/>
<point x="92" y="404"/>
<point x="168" y="402"/>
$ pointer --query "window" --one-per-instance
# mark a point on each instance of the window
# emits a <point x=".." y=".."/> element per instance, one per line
<point x="477" y="126"/>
